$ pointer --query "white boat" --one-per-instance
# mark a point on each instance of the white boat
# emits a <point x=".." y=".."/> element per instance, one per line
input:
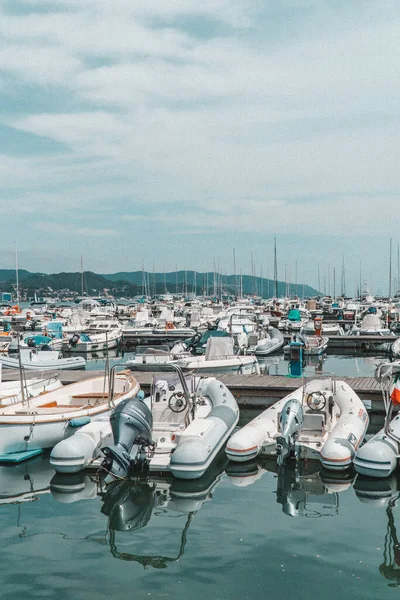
<point x="180" y="429"/>
<point x="379" y="456"/>
<point x="371" y="324"/>
<point x="42" y="360"/>
<point x="218" y="358"/>
<point x="92" y="342"/>
<point x="327" y="328"/>
<point x="272" y="341"/>
<point x="312" y="345"/>
<point x="323" y="419"/>
<point x="11" y="393"/>
<point x="41" y="422"/>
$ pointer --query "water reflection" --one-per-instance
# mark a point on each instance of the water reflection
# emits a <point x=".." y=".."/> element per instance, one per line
<point x="148" y="521"/>
<point x="384" y="494"/>
<point x="302" y="488"/>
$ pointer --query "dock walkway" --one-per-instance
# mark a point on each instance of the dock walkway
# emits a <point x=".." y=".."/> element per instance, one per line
<point x="255" y="390"/>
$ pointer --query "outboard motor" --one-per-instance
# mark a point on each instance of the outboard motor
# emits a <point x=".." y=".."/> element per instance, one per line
<point x="131" y="423"/>
<point x="74" y="340"/>
<point x="291" y="422"/>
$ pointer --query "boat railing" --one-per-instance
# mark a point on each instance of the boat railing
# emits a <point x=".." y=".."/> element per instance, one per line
<point x="307" y="379"/>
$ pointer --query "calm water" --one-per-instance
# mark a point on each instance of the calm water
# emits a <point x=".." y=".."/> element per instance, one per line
<point x="341" y="365"/>
<point x="243" y="534"/>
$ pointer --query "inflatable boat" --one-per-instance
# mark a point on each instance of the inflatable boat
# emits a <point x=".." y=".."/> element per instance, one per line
<point x="323" y="419"/>
<point x="180" y="429"/>
<point x="379" y="456"/>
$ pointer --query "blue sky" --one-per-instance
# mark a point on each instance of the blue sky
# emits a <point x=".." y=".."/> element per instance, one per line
<point x="175" y="131"/>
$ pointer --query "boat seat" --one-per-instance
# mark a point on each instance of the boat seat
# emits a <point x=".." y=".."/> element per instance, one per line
<point x="313" y="421"/>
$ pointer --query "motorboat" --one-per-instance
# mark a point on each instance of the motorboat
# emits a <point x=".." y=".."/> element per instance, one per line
<point x="34" y="341"/>
<point x="327" y="328"/>
<point x="270" y="342"/>
<point x="371" y="324"/>
<point x="42" y="421"/>
<point x="92" y="342"/>
<point x="41" y="360"/>
<point x="312" y="345"/>
<point x="379" y="456"/>
<point x="12" y="392"/>
<point x="296" y="319"/>
<point x="179" y="428"/>
<point x="218" y="358"/>
<point x="323" y="419"/>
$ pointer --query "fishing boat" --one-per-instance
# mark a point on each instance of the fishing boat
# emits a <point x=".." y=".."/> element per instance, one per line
<point x="379" y="456"/>
<point x="179" y="428"/>
<point x="41" y="422"/>
<point x="323" y="419"/>
<point x="42" y="360"/>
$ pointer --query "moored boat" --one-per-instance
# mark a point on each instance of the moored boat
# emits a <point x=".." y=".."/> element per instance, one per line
<point x="41" y="422"/>
<point x="323" y="419"/>
<point x="180" y="429"/>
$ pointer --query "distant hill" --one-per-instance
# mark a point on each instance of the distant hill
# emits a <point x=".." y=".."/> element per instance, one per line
<point x="180" y="281"/>
<point x="130" y="284"/>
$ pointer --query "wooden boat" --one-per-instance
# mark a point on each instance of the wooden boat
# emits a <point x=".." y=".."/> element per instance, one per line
<point x="43" y="421"/>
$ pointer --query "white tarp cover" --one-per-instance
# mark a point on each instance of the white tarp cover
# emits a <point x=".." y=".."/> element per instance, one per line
<point x="219" y="347"/>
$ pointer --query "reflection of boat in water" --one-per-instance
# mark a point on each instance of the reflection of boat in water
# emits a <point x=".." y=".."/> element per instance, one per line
<point x="130" y="505"/>
<point x="303" y="490"/>
<point x="384" y="493"/>
<point x="26" y="481"/>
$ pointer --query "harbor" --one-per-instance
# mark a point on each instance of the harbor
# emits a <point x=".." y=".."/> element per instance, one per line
<point x="199" y="300"/>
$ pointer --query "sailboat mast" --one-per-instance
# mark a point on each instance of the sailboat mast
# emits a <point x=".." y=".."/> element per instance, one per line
<point x="275" y="272"/>
<point x="82" y="276"/>
<point x="235" y="291"/>
<point x="17" y="274"/>
<point x="390" y="269"/>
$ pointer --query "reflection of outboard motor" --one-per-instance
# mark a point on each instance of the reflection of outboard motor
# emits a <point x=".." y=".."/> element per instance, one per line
<point x="128" y="506"/>
<point x="291" y="422"/>
<point x="131" y="424"/>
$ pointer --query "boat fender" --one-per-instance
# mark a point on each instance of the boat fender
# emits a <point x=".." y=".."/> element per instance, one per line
<point x="140" y="395"/>
<point x="79" y="421"/>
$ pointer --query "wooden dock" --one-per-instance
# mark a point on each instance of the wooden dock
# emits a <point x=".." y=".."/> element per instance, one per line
<point x="256" y="391"/>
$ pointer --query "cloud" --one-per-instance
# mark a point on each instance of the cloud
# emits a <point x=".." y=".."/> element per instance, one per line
<point x="214" y="116"/>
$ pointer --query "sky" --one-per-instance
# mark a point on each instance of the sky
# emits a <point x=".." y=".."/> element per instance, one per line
<point x="171" y="132"/>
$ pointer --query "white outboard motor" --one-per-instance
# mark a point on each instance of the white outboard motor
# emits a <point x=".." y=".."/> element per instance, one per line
<point x="131" y="423"/>
<point x="291" y="422"/>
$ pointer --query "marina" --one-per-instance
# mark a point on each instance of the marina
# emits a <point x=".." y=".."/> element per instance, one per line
<point x="199" y="300"/>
